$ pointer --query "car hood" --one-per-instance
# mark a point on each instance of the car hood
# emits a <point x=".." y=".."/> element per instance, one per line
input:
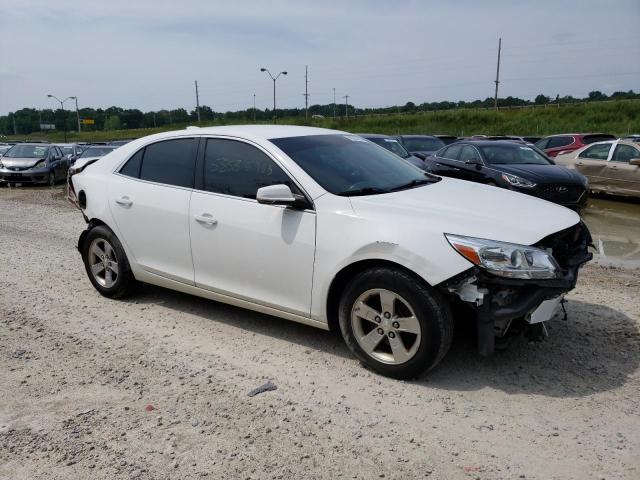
<point x="20" y="162"/>
<point x="467" y="208"/>
<point x="542" y="173"/>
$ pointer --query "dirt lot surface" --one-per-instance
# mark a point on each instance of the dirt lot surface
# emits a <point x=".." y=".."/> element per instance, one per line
<point x="156" y="386"/>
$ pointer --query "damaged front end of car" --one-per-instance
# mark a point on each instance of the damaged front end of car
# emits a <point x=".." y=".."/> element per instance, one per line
<point x="516" y="288"/>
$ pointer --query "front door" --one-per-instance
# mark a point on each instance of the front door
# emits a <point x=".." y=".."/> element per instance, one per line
<point x="623" y="177"/>
<point x="592" y="163"/>
<point x="252" y="251"/>
<point x="149" y="200"/>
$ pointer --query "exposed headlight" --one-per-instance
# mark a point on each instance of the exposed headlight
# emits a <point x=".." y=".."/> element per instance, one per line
<point x="505" y="259"/>
<point x="40" y="164"/>
<point x="517" y="181"/>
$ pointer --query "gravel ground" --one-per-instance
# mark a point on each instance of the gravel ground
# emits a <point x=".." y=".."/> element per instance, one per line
<point x="156" y="386"/>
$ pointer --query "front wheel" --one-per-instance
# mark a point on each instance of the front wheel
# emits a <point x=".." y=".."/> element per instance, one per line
<point x="394" y="323"/>
<point x="51" y="181"/>
<point x="106" y="263"/>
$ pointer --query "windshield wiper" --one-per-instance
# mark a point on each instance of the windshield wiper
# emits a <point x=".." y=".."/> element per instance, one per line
<point x="415" y="183"/>
<point x="362" y="191"/>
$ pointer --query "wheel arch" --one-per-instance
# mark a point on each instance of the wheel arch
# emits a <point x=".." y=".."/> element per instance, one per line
<point x="346" y="274"/>
<point x="91" y="224"/>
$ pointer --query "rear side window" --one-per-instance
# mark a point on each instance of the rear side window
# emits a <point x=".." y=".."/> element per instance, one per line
<point x="171" y="162"/>
<point x="557" y="142"/>
<point x="589" y="139"/>
<point x="596" y="152"/>
<point x="239" y="169"/>
<point x="451" y="152"/>
<point x="132" y="167"/>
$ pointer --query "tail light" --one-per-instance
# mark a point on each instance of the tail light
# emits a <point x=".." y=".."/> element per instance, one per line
<point x="71" y="192"/>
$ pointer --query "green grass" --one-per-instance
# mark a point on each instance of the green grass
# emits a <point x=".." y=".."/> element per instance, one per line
<point x="617" y="117"/>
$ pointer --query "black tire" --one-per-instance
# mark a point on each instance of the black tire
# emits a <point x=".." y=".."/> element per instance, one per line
<point x="429" y="307"/>
<point x="492" y="183"/>
<point x="125" y="282"/>
<point x="51" y="179"/>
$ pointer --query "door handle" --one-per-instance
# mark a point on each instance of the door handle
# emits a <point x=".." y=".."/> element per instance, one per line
<point x="206" y="219"/>
<point x="124" y="201"/>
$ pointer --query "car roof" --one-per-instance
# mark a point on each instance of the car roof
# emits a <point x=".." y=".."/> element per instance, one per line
<point x="482" y="142"/>
<point x="578" y="134"/>
<point x="374" y="135"/>
<point x="256" y="132"/>
<point x="419" y="136"/>
<point x="36" y="144"/>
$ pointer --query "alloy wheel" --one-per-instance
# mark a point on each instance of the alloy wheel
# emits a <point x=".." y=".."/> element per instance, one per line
<point x="103" y="263"/>
<point x="385" y="326"/>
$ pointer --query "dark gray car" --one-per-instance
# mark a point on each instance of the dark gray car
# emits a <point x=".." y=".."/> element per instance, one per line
<point x="33" y="163"/>
<point x="421" y="146"/>
<point x="394" y="146"/>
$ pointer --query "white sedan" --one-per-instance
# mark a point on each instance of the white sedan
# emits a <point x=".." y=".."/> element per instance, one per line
<point x="324" y="228"/>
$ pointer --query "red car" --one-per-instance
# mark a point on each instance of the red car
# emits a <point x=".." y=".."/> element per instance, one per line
<point x="568" y="142"/>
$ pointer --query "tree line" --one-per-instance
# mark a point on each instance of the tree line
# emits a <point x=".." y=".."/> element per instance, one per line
<point x="28" y="120"/>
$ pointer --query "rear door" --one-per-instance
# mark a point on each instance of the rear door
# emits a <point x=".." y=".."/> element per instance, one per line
<point x="446" y="162"/>
<point x="623" y="177"/>
<point x="592" y="163"/>
<point x="241" y="248"/>
<point x="149" y="200"/>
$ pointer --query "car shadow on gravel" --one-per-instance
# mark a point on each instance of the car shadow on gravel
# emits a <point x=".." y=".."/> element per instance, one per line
<point x="595" y="350"/>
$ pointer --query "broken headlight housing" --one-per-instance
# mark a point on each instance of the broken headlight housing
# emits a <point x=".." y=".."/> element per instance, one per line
<point x="506" y="259"/>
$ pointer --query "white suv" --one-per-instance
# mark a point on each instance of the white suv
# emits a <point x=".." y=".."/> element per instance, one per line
<point x="328" y="229"/>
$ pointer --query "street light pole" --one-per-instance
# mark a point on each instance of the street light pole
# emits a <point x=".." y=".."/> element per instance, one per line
<point x="64" y="117"/>
<point x="274" y="89"/>
<point x="77" y="112"/>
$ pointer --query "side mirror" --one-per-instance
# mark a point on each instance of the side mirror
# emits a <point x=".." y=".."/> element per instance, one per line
<point x="635" y="161"/>
<point x="473" y="161"/>
<point x="280" y="195"/>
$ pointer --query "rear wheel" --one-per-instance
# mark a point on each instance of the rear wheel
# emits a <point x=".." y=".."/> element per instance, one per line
<point x="106" y="263"/>
<point x="394" y="323"/>
<point x="51" y="179"/>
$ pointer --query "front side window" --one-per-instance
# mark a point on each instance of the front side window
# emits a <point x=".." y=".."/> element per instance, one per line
<point x="239" y="169"/>
<point x="171" y="162"/>
<point x="596" y="152"/>
<point x="349" y="165"/>
<point x="470" y="154"/>
<point x="624" y="153"/>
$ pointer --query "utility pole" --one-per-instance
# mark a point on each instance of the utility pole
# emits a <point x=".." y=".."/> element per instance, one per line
<point x="77" y="113"/>
<point x="154" y="120"/>
<point x="346" y="106"/>
<point x="197" y="102"/>
<point x="334" y="103"/>
<point x="254" y="108"/>
<point x="306" y="91"/>
<point x="15" y="130"/>
<point x="497" y="81"/>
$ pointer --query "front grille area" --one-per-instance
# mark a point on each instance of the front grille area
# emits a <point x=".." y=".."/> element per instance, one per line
<point x="560" y="193"/>
<point x="570" y="246"/>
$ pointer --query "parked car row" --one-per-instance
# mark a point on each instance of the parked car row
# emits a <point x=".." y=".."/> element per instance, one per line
<point x="325" y="228"/>
<point x="604" y="164"/>
<point x="45" y="163"/>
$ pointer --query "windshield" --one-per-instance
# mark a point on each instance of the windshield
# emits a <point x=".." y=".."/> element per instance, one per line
<point x="350" y="165"/>
<point x="513" y="154"/>
<point x="392" y="145"/>
<point x="96" y="151"/>
<point x="67" y="150"/>
<point x="4" y="148"/>
<point x="27" y="151"/>
<point x="422" y="144"/>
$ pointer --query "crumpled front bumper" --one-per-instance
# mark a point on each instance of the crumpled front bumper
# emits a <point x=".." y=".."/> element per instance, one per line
<point x="498" y="301"/>
<point x="40" y="175"/>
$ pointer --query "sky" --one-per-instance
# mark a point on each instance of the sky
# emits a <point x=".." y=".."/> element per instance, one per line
<point x="146" y="54"/>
